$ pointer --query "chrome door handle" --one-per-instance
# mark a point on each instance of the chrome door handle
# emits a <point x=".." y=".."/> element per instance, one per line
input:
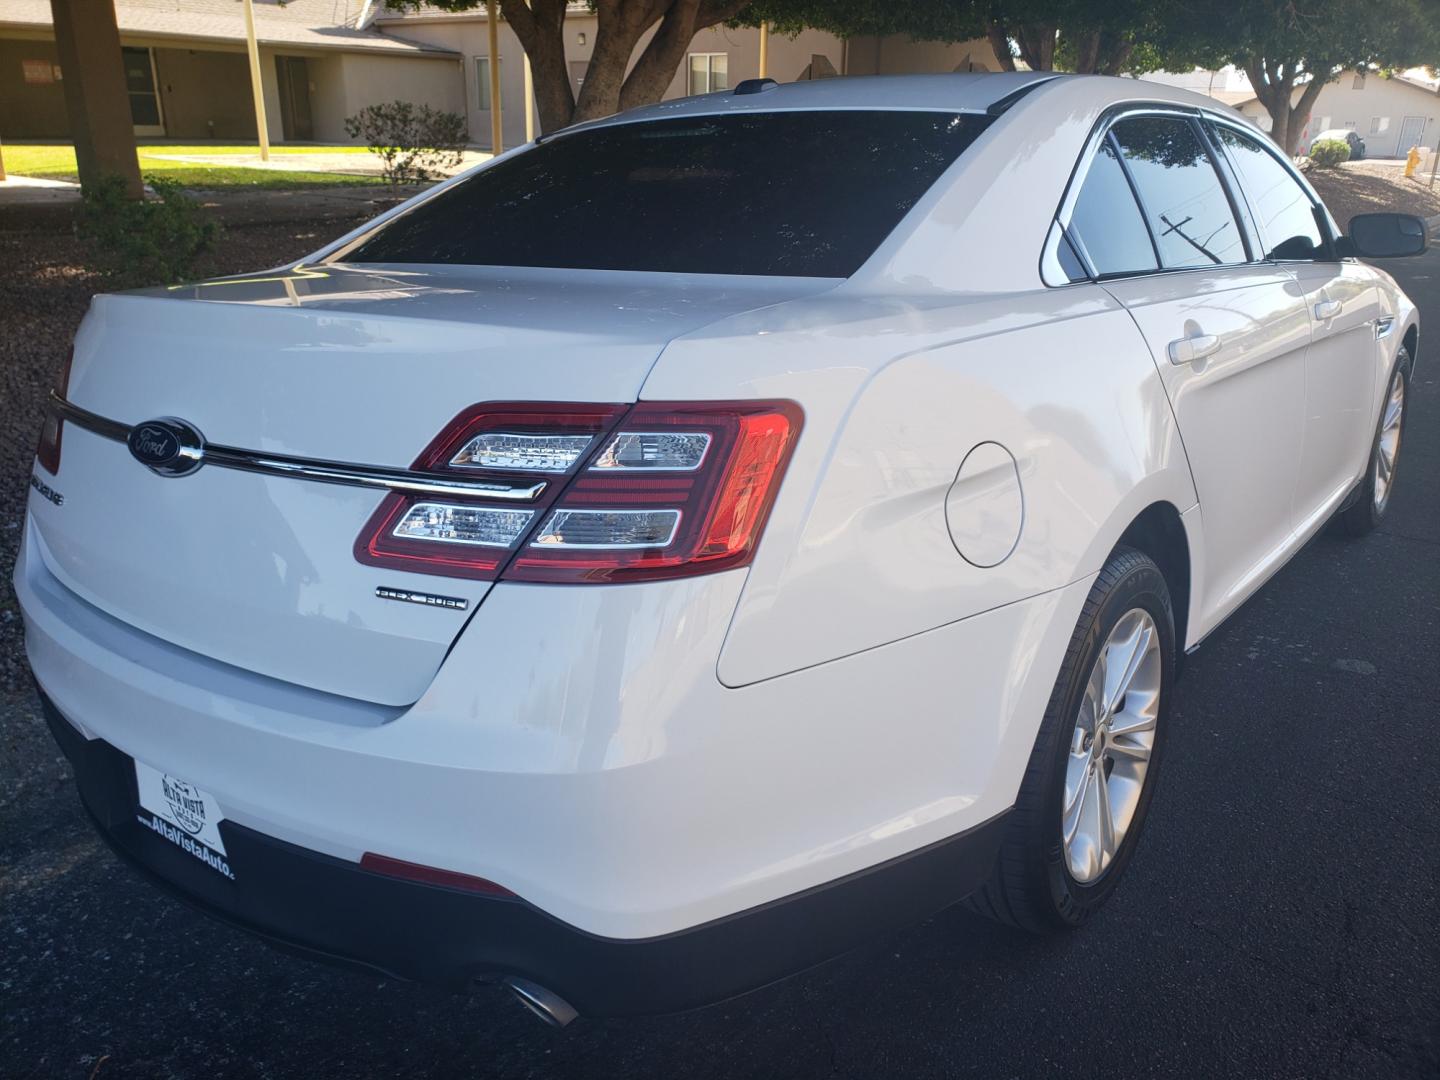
<point x="1187" y="350"/>
<point x="1328" y="309"/>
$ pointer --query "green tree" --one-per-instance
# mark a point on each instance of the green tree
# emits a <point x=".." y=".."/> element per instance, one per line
<point x="1292" y="48"/>
<point x="1088" y="36"/>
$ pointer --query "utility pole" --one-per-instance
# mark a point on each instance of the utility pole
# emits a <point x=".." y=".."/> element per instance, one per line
<point x="256" y="88"/>
<point x="764" y="50"/>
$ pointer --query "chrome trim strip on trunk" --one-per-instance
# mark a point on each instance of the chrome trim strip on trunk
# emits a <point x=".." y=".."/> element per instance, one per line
<point x="380" y="477"/>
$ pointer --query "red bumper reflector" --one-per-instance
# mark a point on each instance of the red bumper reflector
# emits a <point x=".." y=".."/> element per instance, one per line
<point x="430" y="875"/>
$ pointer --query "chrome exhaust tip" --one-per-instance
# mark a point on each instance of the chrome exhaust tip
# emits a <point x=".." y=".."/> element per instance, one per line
<point x="553" y="1009"/>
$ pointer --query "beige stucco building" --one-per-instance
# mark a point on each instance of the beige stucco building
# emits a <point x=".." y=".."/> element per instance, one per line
<point x="324" y="60"/>
<point x="188" y="78"/>
<point x="1391" y="114"/>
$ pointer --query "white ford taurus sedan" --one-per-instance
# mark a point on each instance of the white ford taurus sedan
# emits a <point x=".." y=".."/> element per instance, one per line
<point x="648" y="563"/>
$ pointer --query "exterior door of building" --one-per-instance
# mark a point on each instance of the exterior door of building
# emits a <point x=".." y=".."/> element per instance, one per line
<point x="294" y="78"/>
<point x="1412" y="131"/>
<point x="140" y="82"/>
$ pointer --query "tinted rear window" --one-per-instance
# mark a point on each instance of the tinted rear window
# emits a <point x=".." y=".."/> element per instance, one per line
<point x="809" y="194"/>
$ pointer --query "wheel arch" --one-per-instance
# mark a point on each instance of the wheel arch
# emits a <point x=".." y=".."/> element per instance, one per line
<point x="1159" y="532"/>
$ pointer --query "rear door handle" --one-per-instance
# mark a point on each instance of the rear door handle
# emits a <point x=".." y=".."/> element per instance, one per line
<point x="1328" y="309"/>
<point x="1187" y="350"/>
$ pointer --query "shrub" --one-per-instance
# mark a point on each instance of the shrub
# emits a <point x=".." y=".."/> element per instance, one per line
<point x="413" y="144"/>
<point x="143" y="241"/>
<point x="1327" y="153"/>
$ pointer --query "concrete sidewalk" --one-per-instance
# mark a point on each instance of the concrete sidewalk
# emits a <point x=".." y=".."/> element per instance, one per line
<point x="32" y="190"/>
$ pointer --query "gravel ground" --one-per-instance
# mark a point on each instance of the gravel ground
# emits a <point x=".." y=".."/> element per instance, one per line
<point x="44" y="291"/>
<point x="1366" y="188"/>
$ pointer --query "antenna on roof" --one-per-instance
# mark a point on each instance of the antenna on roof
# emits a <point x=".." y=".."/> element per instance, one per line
<point x="755" y="86"/>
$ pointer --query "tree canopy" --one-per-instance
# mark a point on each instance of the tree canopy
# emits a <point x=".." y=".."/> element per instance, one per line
<point x="1286" y="46"/>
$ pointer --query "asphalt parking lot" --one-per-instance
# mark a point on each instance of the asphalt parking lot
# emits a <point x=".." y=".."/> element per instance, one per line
<point x="1281" y="919"/>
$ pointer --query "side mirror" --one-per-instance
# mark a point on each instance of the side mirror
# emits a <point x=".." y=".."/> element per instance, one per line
<point x="1385" y="236"/>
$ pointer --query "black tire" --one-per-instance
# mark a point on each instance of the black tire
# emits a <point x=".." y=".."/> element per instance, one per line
<point x="1031" y="887"/>
<point x="1361" y="514"/>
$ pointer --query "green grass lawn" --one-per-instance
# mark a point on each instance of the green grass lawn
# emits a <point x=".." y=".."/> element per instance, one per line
<point x="57" y="162"/>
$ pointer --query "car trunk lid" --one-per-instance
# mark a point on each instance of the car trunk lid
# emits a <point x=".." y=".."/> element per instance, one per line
<point x="342" y="364"/>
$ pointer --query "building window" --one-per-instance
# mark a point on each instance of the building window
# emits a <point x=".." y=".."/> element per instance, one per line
<point x="709" y="72"/>
<point x="1359" y="83"/>
<point x="482" y="83"/>
<point x="1379" y="125"/>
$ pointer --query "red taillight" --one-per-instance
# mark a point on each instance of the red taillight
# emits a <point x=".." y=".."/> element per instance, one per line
<point x="47" y="453"/>
<point x="474" y="536"/>
<point x="430" y="875"/>
<point x="668" y="490"/>
<point x="696" y="518"/>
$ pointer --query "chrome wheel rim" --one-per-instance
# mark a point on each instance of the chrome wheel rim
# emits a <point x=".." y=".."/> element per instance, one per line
<point x="1387" y="450"/>
<point x="1111" y="746"/>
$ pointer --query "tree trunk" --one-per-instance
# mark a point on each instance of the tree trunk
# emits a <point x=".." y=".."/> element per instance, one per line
<point x="540" y="26"/>
<point x="1000" y="45"/>
<point x="1300" y="114"/>
<point x="1087" y="52"/>
<point x="1117" y="60"/>
<point x="1037" y="45"/>
<point x="88" y="45"/>
<point x="651" y="75"/>
<point x="1274" y="84"/>
<point x="619" y="25"/>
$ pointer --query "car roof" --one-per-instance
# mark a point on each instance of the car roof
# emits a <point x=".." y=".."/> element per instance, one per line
<point x="972" y="92"/>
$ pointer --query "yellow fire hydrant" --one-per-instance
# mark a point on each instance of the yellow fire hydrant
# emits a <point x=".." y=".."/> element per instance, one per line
<point x="1412" y="161"/>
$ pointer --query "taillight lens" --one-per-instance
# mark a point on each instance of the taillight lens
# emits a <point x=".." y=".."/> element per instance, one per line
<point x="677" y="489"/>
<point x="510" y="443"/>
<point x="661" y="490"/>
<point x="47" y="453"/>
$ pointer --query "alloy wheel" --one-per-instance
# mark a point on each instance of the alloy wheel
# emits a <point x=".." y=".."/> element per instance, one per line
<point x="1111" y="746"/>
<point x="1387" y="451"/>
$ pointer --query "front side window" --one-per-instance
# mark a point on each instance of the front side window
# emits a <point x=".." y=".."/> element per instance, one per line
<point x="1283" y="209"/>
<point x="806" y="194"/>
<point x="1180" y="193"/>
<point x="1105" y="221"/>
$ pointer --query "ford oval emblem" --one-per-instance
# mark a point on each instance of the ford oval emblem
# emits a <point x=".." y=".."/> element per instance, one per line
<point x="167" y="446"/>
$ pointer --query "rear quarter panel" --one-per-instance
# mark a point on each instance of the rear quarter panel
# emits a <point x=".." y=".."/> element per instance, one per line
<point x="896" y="392"/>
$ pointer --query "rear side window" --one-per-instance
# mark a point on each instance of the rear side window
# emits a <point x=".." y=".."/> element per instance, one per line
<point x="1180" y="193"/>
<point x="808" y="194"/>
<point x="1282" y="208"/>
<point x="1106" y="221"/>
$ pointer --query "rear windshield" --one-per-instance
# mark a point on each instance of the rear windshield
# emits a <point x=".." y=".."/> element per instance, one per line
<point x="808" y="194"/>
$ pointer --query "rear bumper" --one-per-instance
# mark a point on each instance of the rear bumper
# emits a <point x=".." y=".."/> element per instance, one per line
<point x="333" y="910"/>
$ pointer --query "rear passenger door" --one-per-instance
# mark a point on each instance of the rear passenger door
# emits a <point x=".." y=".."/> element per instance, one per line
<point x="1228" y="334"/>
<point x="1343" y="304"/>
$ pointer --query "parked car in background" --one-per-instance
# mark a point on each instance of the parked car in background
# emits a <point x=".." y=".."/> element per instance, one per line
<point x="652" y="562"/>
<point x="1346" y="135"/>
